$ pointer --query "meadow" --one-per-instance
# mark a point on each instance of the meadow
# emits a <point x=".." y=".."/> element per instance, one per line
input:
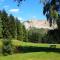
<point x="32" y="56"/>
<point x="33" y="51"/>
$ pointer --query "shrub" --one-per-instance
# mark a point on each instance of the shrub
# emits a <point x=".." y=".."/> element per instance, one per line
<point x="7" y="47"/>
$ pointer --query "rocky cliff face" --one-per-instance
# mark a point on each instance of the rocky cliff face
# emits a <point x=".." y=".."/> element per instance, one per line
<point x="38" y="24"/>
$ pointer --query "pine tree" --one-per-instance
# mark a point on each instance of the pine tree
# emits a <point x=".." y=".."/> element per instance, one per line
<point x="19" y="30"/>
<point x="0" y="26"/>
<point x="6" y="34"/>
<point x="25" y="33"/>
<point x="12" y="26"/>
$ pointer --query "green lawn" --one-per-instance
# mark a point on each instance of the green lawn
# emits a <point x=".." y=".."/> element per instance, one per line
<point x="42" y="55"/>
<point x="32" y="56"/>
<point x="20" y="43"/>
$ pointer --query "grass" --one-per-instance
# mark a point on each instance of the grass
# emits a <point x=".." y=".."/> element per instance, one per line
<point x="20" y="43"/>
<point x="32" y="56"/>
<point x="27" y="44"/>
<point x="37" y="55"/>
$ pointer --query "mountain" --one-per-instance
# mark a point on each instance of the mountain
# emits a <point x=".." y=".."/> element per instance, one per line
<point x="38" y="24"/>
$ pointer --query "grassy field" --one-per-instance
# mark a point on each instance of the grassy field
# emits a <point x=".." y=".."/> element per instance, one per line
<point x="32" y="56"/>
<point x="27" y="44"/>
<point x="20" y="43"/>
<point x="37" y="55"/>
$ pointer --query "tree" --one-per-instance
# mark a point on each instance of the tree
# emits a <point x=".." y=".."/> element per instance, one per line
<point x="36" y="35"/>
<point x="6" y="34"/>
<point x="51" y="9"/>
<point x="58" y="22"/>
<point x="12" y="26"/>
<point x="0" y="25"/>
<point x="19" y="30"/>
<point x="25" y="33"/>
<point x="19" y="2"/>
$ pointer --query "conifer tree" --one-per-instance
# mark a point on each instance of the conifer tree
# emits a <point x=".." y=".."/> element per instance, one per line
<point x="19" y="30"/>
<point x="6" y="34"/>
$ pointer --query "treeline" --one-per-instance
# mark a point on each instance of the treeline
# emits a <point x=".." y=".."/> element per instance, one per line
<point x="36" y="35"/>
<point x="44" y="36"/>
<point x="11" y="27"/>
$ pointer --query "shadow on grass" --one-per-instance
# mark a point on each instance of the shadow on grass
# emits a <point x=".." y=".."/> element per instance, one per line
<point x="36" y="49"/>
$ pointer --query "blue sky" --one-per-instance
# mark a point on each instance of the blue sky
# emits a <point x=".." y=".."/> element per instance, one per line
<point x="28" y="10"/>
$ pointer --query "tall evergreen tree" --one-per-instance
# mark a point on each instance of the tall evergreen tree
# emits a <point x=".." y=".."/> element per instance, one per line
<point x="6" y="34"/>
<point x="19" y="30"/>
<point x="25" y="33"/>
<point x="0" y="26"/>
<point x="12" y="26"/>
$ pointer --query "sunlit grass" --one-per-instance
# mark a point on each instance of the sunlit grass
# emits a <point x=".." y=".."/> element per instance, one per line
<point x="21" y="43"/>
<point x="32" y="56"/>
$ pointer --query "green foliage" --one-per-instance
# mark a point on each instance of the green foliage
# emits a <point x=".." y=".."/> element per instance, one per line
<point x="25" y="34"/>
<point x="51" y="10"/>
<point x="53" y="36"/>
<point x="36" y="35"/>
<point x="5" y="33"/>
<point x="12" y="26"/>
<point x="7" y="49"/>
<point x="19" y="30"/>
<point x="0" y="26"/>
<point x="58" y="22"/>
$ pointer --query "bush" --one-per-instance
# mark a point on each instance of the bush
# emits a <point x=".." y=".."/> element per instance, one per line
<point x="7" y="47"/>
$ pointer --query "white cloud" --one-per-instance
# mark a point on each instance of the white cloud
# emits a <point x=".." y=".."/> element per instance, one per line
<point x="14" y="10"/>
<point x="19" y="18"/>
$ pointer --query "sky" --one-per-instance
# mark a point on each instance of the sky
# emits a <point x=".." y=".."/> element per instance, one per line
<point x="27" y="10"/>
